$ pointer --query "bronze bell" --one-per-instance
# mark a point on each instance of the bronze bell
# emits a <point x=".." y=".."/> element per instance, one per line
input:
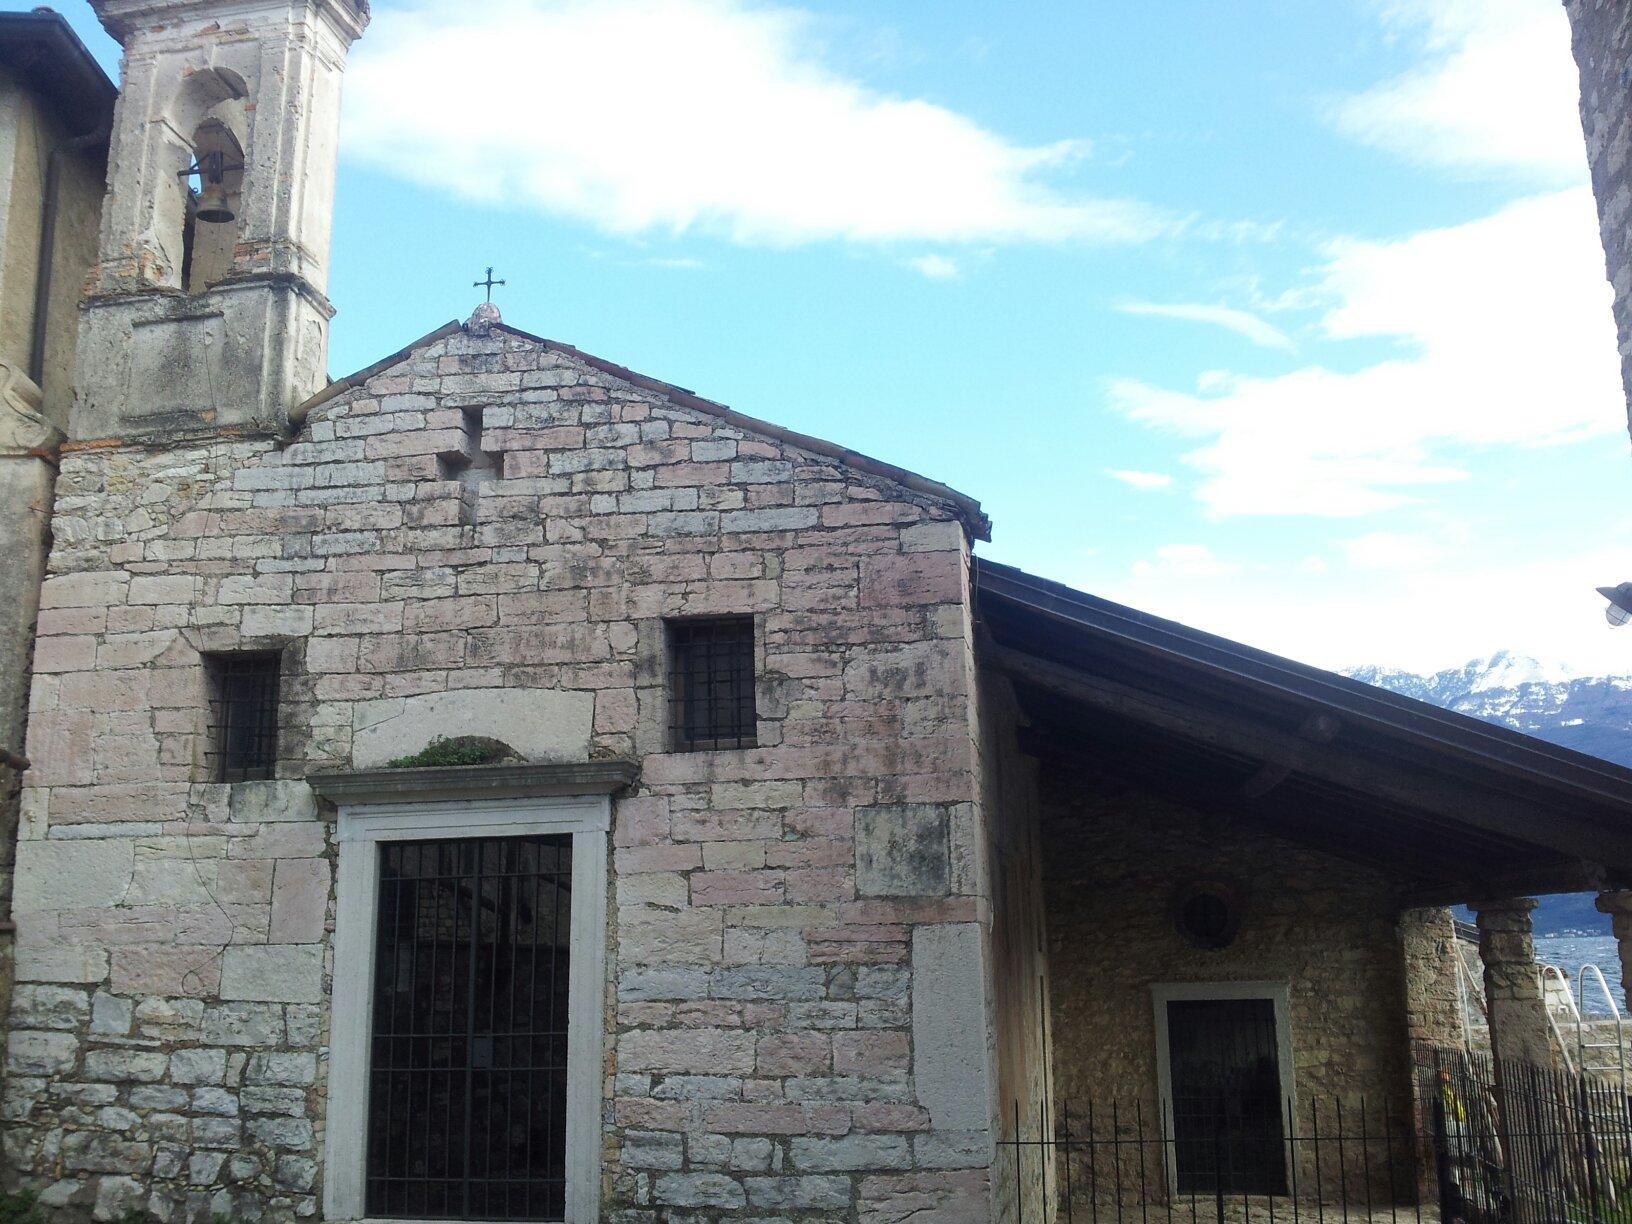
<point x="213" y="205"/>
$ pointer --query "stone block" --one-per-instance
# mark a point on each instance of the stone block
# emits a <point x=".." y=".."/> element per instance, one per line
<point x="295" y="1134"/>
<point x="271" y="801"/>
<point x="110" y="1015"/>
<point x="903" y="851"/>
<point x="642" y="985"/>
<point x="217" y="1102"/>
<point x="101" y="872"/>
<point x="94" y="1152"/>
<point x="781" y="1054"/>
<point x="170" y="1019"/>
<point x="849" y="1152"/>
<point x="649" y="935"/>
<point x="49" y="1007"/>
<point x="911" y="580"/>
<point x="718" y="1051"/>
<point x="39" y="961"/>
<point x="815" y="1193"/>
<point x="167" y="971"/>
<point x="36" y="1053"/>
<point x="540" y="724"/>
<point x="93" y="590"/>
<point x="275" y="973"/>
<point x="244" y="1024"/>
<point x="698" y="1190"/>
<point x="163" y="589"/>
<point x="752" y="1155"/>
<point x="916" y="1198"/>
<point x="125" y="1066"/>
<point x="281" y="1068"/>
<point x="300" y="901"/>
<point x="305" y="1024"/>
<point x="915" y="669"/>
<point x="871" y="1053"/>
<point x="785" y="518"/>
<point x="202" y="1066"/>
<point x="653" y="1150"/>
<point x="286" y="622"/>
<point x="769" y="982"/>
<point x="950" y="1062"/>
<point x="954" y="1149"/>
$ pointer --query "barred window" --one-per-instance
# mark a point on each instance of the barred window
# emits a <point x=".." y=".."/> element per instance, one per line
<point x="243" y="716"/>
<point x="711" y="683"/>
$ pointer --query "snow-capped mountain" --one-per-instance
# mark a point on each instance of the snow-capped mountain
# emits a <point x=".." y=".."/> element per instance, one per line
<point x="1591" y="714"/>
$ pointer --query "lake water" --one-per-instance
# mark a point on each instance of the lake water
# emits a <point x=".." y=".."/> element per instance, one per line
<point x="1570" y="952"/>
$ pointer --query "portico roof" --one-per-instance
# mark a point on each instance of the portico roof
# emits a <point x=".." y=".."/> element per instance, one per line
<point x="1453" y="808"/>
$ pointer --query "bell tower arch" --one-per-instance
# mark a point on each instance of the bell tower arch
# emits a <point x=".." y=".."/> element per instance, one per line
<point x="207" y="307"/>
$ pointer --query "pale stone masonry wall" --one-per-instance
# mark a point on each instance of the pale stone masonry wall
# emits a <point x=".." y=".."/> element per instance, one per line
<point x="1331" y="929"/>
<point x="797" y="977"/>
<point x="1602" y="41"/>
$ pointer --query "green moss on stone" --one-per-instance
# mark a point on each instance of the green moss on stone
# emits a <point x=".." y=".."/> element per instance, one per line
<point x="459" y="750"/>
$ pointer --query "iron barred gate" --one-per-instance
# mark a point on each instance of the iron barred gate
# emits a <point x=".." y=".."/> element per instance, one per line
<point x="1478" y="1143"/>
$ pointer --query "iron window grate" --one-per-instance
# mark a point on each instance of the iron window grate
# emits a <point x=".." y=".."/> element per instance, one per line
<point x="711" y="683"/>
<point x="468" y="1075"/>
<point x="243" y="733"/>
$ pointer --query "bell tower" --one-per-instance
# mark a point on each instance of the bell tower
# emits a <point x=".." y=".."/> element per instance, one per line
<point x="207" y="307"/>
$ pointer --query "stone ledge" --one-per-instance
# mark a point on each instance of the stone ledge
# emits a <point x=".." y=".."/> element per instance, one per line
<point x="476" y="782"/>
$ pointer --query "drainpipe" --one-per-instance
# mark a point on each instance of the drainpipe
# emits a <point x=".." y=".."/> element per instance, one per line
<point x="48" y="243"/>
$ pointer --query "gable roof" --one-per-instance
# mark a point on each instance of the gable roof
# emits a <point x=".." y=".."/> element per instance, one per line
<point x="1451" y="804"/>
<point x="966" y="508"/>
<point x="42" y="48"/>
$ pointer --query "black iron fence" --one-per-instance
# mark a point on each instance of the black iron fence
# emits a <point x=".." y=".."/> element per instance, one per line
<point x="1477" y="1143"/>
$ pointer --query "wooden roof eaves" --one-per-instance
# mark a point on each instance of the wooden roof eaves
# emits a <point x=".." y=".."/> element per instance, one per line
<point x="1571" y="775"/>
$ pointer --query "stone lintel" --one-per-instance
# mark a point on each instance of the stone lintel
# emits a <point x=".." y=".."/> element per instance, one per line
<point x="476" y="782"/>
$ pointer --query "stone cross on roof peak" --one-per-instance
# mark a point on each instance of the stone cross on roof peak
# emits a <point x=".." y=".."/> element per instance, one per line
<point x="483" y="319"/>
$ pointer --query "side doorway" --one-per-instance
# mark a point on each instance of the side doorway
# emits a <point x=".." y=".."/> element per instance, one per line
<point x="1224" y="1066"/>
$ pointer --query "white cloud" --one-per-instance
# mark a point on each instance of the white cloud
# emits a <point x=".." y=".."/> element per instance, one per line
<point x="1184" y="561"/>
<point x="1496" y="90"/>
<point x="1241" y="322"/>
<point x="1391" y="550"/>
<point x="718" y="116"/>
<point x="1145" y="482"/>
<point x="936" y="267"/>
<point x="1422" y="619"/>
<point x="1508" y="338"/>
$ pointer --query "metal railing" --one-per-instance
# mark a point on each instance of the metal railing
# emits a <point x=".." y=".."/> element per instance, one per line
<point x="1477" y="1143"/>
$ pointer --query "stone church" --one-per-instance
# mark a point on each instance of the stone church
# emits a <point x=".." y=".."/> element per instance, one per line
<point x="499" y="785"/>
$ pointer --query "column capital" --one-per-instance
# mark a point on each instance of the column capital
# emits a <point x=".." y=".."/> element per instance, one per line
<point x="1618" y="901"/>
<point x="1501" y="907"/>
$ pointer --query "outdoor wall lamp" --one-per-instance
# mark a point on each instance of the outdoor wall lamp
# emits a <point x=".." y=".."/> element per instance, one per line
<point x="1619" y="610"/>
<point x="213" y="205"/>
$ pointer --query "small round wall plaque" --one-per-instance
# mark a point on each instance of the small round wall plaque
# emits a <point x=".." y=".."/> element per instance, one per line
<point x="1208" y="914"/>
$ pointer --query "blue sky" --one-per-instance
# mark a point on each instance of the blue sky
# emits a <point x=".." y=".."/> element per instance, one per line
<point x="1287" y="320"/>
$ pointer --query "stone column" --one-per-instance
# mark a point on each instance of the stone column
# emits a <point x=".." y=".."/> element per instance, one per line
<point x="1618" y="905"/>
<point x="1519" y="1034"/>
<point x="28" y="476"/>
<point x="1518" y="1013"/>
